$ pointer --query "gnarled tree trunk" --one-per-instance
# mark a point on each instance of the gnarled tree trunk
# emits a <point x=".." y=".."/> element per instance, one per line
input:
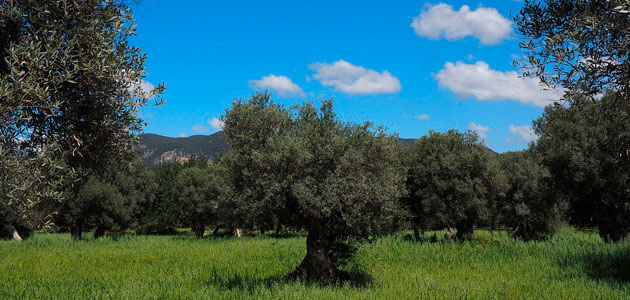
<point x="464" y="231"/>
<point x="318" y="263"/>
<point x="199" y="229"/>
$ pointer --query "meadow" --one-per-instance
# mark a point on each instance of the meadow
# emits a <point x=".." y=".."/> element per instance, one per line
<point x="571" y="265"/>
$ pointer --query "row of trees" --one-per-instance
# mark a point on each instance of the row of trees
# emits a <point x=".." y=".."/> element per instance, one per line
<point x="69" y="98"/>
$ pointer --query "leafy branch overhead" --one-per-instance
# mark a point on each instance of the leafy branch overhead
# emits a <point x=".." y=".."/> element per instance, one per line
<point x="582" y="46"/>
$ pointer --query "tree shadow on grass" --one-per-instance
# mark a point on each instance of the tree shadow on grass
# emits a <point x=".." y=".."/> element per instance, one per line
<point x="243" y="283"/>
<point x="612" y="266"/>
<point x="248" y="284"/>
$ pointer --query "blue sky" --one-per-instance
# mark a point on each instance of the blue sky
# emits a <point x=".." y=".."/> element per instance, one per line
<point x="451" y="69"/>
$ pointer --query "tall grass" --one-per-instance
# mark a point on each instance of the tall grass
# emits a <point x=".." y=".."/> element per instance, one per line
<point x="572" y="265"/>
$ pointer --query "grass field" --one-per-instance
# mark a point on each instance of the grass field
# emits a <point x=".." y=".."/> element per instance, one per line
<point x="572" y="265"/>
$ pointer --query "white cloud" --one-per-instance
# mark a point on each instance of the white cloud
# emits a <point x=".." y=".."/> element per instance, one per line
<point x="142" y="89"/>
<point x="182" y="135"/>
<point x="479" y="81"/>
<point x="282" y="85"/>
<point x="423" y="117"/>
<point x="216" y="123"/>
<point x="480" y="129"/>
<point x="352" y="79"/>
<point x="440" y="20"/>
<point x="200" y="129"/>
<point x="146" y="86"/>
<point x="525" y="133"/>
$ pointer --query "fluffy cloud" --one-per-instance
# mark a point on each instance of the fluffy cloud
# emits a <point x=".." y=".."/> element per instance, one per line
<point x="440" y="20"/>
<point x="479" y="81"/>
<point x="525" y="133"/>
<point x="352" y="79"/>
<point x="182" y="135"/>
<point x="282" y="85"/>
<point x="480" y="129"/>
<point x="423" y="117"/>
<point x="216" y="123"/>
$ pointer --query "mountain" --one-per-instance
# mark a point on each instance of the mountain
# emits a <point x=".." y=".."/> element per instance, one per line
<point x="156" y="148"/>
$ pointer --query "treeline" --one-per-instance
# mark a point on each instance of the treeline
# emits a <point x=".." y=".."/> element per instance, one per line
<point x="302" y="168"/>
<point x="71" y="91"/>
<point x="446" y="180"/>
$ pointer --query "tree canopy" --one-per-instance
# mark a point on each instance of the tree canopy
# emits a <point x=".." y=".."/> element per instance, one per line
<point x="530" y="208"/>
<point x="70" y="81"/>
<point x="579" y="45"/>
<point x="585" y="147"/>
<point x="449" y="181"/>
<point x="338" y="181"/>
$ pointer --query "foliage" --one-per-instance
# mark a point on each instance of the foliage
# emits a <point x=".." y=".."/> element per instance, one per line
<point x="572" y="265"/>
<point x="10" y="222"/>
<point x="110" y="201"/>
<point x="449" y="181"/>
<point x="248" y="127"/>
<point x="68" y="75"/>
<point x="164" y="214"/>
<point x="579" y="45"/>
<point x="585" y="147"/>
<point x="27" y="181"/>
<point x="530" y="208"/>
<point x="201" y="191"/>
<point x="309" y="170"/>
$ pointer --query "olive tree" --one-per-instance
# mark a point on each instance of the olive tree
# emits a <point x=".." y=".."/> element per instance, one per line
<point x="248" y="127"/>
<point x="110" y="201"/>
<point x="201" y="191"/>
<point x="338" y="181"/>
<point x="585" y="147"/>
<point x="448" y="181"/>
<point x="530" y="207"/>
<point x="68" y="75"/>
<point x="164" y="214"/>
<point x="582" y="46"/>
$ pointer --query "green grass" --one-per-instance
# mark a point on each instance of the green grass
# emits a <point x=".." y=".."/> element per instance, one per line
<point x="572" y="265"/>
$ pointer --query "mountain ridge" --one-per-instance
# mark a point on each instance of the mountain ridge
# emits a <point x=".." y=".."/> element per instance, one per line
<point x="157" y="149"/>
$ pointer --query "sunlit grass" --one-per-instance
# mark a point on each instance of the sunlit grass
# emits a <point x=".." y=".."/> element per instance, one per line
<point x="572" y="265"/>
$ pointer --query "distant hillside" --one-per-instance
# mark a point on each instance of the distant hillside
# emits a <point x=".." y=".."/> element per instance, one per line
<point x="157" y="148"/>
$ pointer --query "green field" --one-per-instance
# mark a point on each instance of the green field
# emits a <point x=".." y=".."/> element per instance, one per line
<point x="572" y="265"/>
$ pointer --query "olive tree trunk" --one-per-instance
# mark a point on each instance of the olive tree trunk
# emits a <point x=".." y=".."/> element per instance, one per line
<point x="199" y="229"/>
<point x="76" y="231"/>
<point x="318" y="263"/>
<point x="416" y="231"/>
<point x="464" y="231"/>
